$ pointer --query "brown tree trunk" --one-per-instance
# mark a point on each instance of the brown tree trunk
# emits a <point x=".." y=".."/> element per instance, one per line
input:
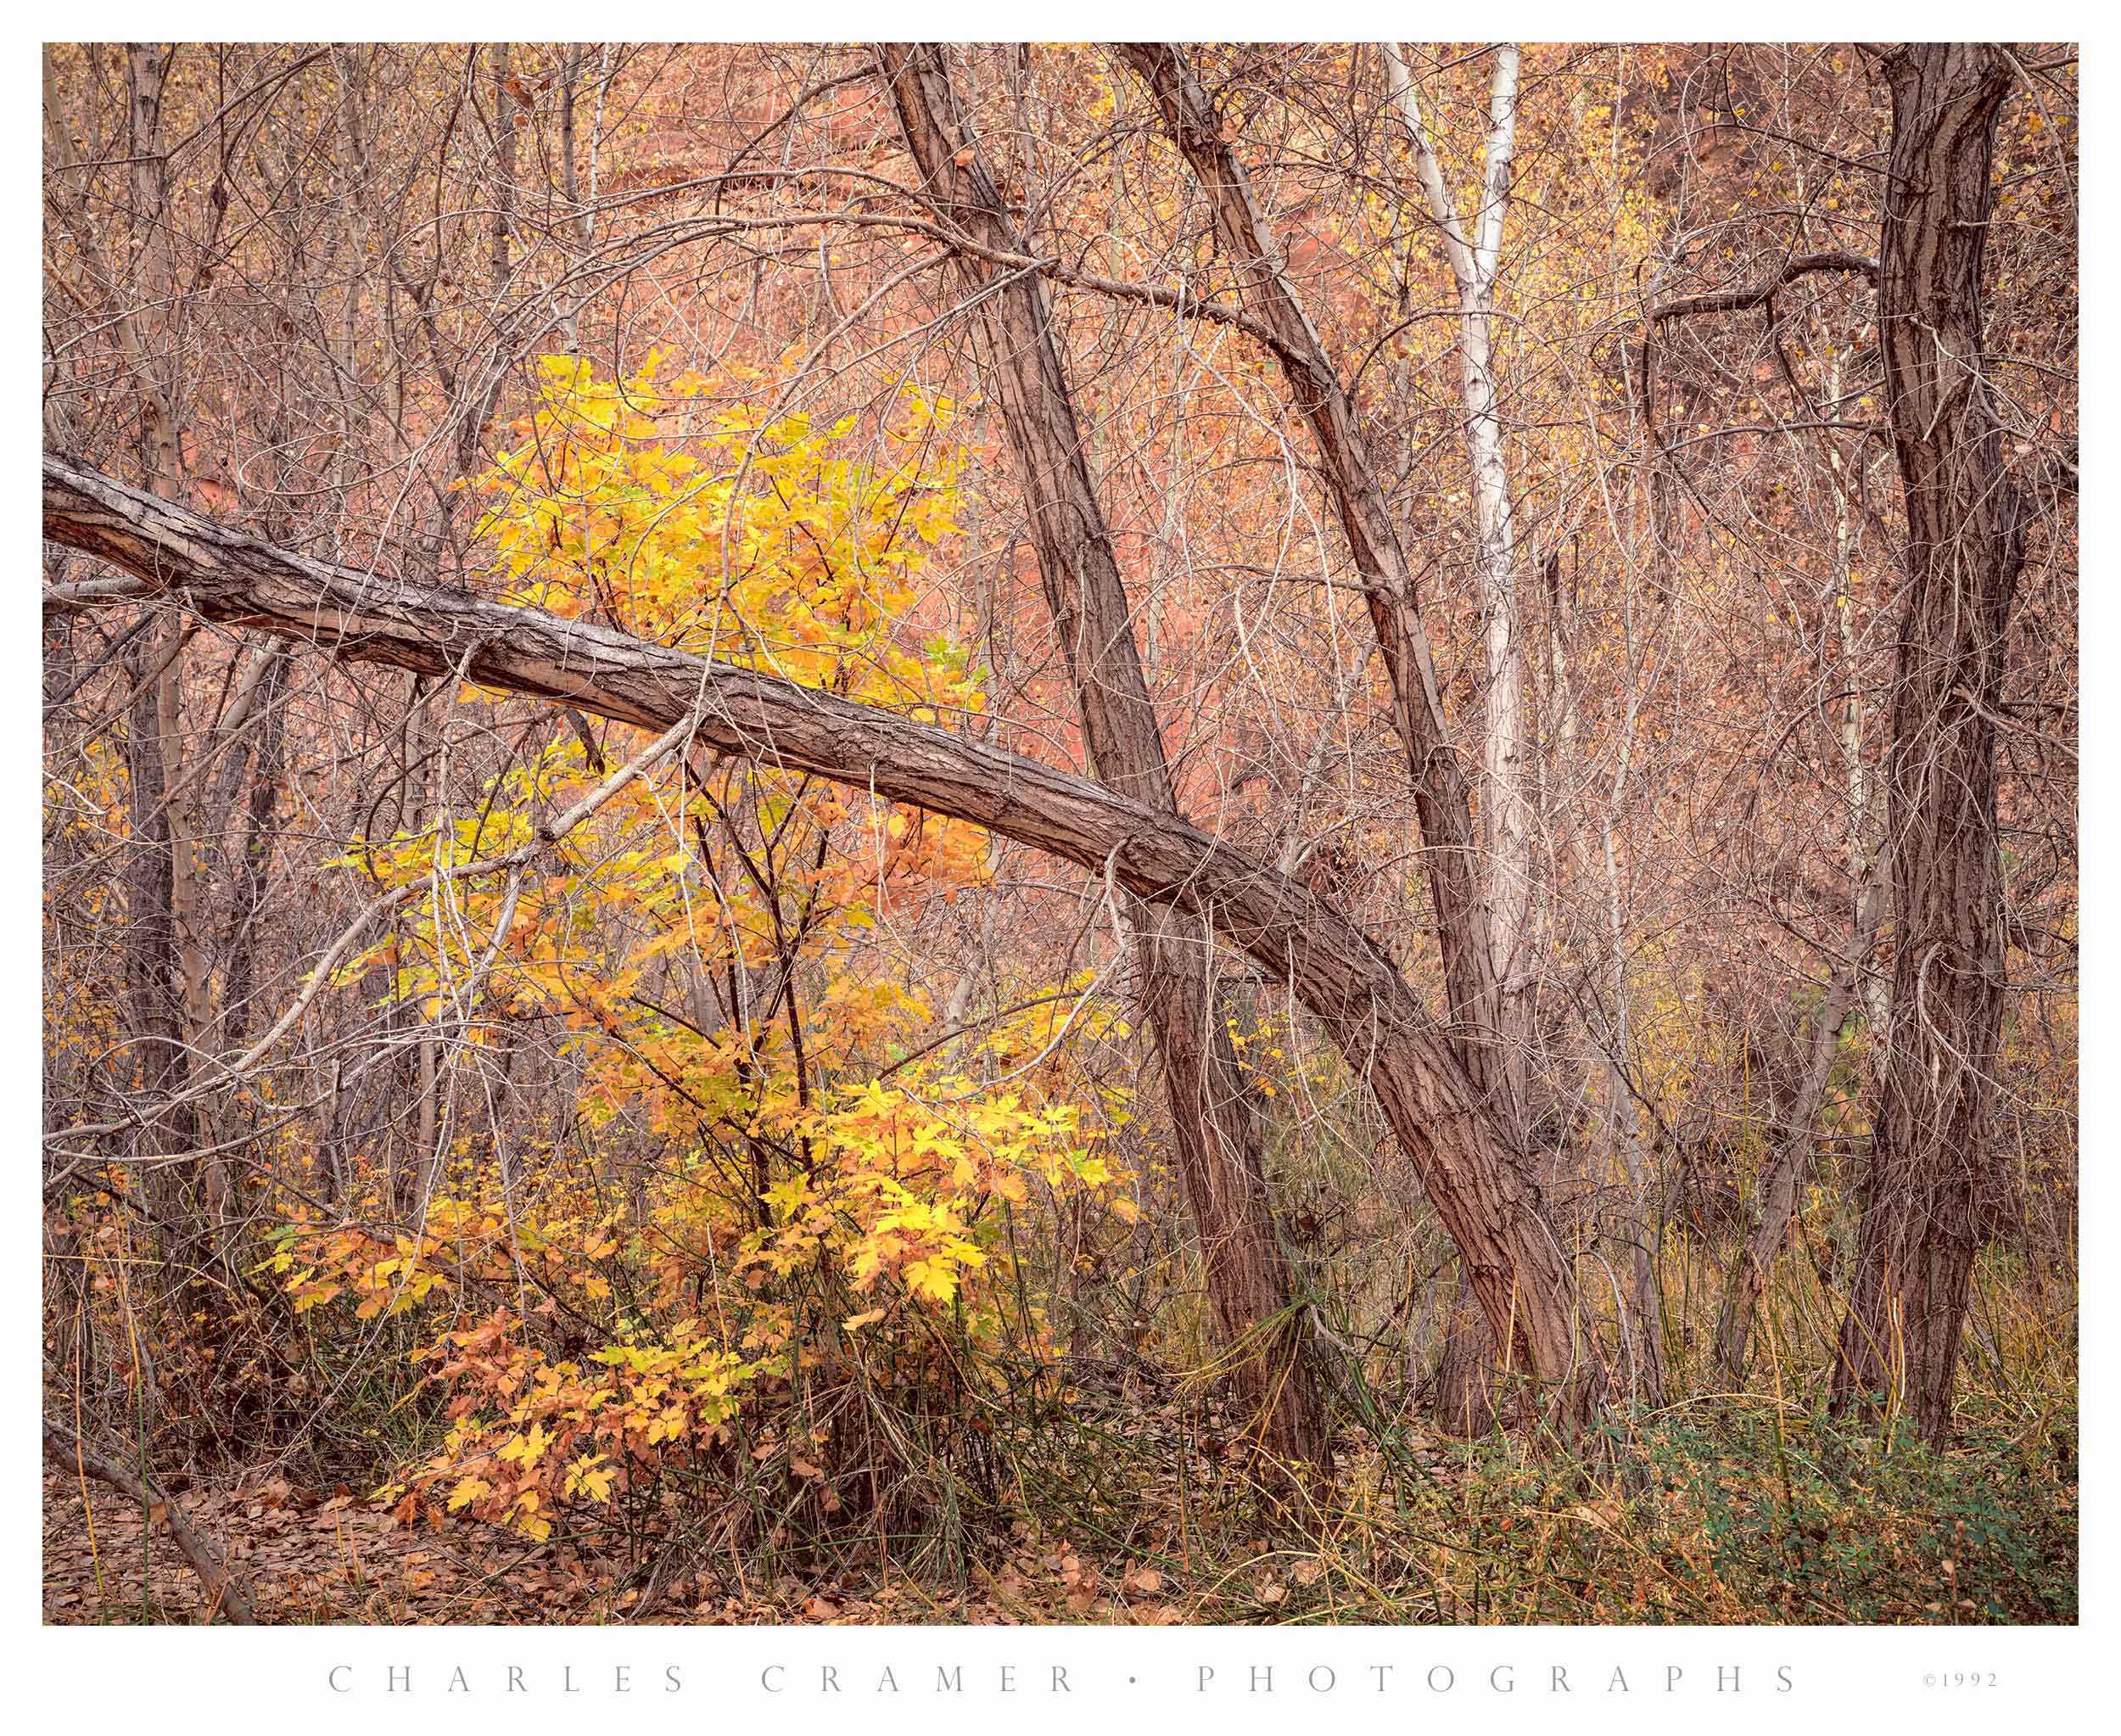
<point x="1247" y="1277"/>
<point x="1966" y="524"/>
<point x="166" y="898"/>
<point x="151" y="965"/>
<point x="1476" y="1179"/>
<point x="1442" y="792"/>
<point x="1452" y="853"/>
<point x="253" y="871"/>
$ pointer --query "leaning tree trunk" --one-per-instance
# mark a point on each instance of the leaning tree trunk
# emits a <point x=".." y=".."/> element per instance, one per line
<point x="1966" y="525"/>
<point x="1454" y="849"/>
<point x="1247" y="1277"/>
<point x="225" y="1592"/>
<point x="1442" y="789"/>
<point x="1787" y="1169"/>
<point x="1479" y="1182"/>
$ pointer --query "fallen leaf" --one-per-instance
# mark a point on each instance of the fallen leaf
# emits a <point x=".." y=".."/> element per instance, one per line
<point x="1143" y="1581"/>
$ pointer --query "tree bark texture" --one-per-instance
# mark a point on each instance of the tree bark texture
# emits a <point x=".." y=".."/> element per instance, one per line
<point x="1246" y="1275"/>
<point x="1442" y="792"/>
<point x="1490" y="1031"/>
<point x="1479" y="1183"/>
<point x="1966" y="524"/>
<point x="1465" y="1391"/>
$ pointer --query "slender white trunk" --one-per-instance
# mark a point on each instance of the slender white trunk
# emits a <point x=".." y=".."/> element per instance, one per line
<point x="1506" y="824"/>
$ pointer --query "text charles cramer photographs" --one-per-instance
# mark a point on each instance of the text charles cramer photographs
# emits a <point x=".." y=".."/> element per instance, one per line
<point x="1048" y="1679"/>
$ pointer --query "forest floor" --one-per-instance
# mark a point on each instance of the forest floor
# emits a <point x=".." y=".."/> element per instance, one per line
<point x="329" y="1557"/>
<point x="1742" y="1522"/>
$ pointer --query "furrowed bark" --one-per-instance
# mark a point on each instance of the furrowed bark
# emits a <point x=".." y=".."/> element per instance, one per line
<point x="1966" y="526"/>
<point x="1453" y="854"/>
<point x="1442" y="792"/>
<point x="1246" y="1275"/>
<point x="1481" y="1187"/>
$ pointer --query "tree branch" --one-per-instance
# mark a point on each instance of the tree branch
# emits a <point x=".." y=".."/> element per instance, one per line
<point x="1481" y="1188"/>
<point x="224" y="1591"/>
<point x="1797" y="266"/>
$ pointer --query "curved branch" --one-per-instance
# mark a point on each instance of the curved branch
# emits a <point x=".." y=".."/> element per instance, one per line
<point x="1801" y="265"/>
<point x="1479" y="1185"/>
<point x="1481" y="1188"/>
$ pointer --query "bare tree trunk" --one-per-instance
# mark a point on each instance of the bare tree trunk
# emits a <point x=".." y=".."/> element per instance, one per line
<point x="253" y="872"/>
<point x="1248" y="1279"/>
<point x="1442" y="793"/>
<point x="1443" y="796"/>
<point x="1464" y="1400"/>
<point x="1783" y="1179"/>
<point x="1476" y="1179"/>
<point x="166" y="898"/>
<point x="150" y="939"/>
<point x="1506" y="865"/>
<point x="1965" y="522"/>
<point x="1645" y="1302"/>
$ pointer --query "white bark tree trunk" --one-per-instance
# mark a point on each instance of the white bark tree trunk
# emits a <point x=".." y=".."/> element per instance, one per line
<point x="1504" y="875"/>
<point x="1506" y="825"/>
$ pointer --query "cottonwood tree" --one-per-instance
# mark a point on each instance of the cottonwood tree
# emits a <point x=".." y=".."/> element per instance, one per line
<point x="1212" y="1124"/>
<point x="1924" y="855"/>
<point x="1476" y="1179"/>
<point x="1486" y="1011"/>
<point x="1967" y="529"/>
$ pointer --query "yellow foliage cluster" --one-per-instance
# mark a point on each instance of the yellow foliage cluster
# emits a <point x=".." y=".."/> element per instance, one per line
<point x="825" y="1190"/>
<point x="730" y="530"/>
<point x="530" y="1437"/>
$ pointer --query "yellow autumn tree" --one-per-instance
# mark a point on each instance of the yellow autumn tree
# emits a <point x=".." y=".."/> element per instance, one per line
<point x="823" y="1199"/>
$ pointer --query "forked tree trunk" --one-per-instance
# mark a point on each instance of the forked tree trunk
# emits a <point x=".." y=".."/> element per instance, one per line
<point x="1247" y="1276"/>
<point x="1478" y="1181"/>
<point x="1454" y="849"/>
<point x="1464" y="1388"/>
<point x="1966" y="526"/>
